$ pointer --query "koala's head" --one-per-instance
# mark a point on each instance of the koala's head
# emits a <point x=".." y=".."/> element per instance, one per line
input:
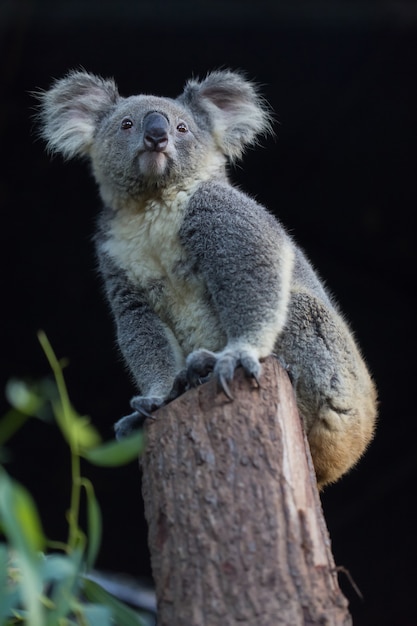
<point x="143" y="143"/>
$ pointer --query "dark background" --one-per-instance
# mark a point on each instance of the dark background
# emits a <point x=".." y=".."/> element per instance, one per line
<point x="341" y="174"/>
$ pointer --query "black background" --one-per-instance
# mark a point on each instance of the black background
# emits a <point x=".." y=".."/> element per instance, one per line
<point x="341" y="174"/>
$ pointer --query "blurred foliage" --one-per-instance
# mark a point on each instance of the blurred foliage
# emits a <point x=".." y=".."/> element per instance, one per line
<point x="43" y="582"/>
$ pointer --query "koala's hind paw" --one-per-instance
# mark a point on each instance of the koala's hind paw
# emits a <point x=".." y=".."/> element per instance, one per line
<point x="223" y="365"/>
<point x="143" y="408"/>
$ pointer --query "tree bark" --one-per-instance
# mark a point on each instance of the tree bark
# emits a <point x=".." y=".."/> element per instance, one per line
<point x="236" y="530"/>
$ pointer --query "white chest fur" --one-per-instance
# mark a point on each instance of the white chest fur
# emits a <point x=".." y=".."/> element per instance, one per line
<point x="146" y="245"/>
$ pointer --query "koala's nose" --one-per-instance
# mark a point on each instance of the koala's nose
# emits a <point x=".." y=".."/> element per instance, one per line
<point x="155" y="129"/>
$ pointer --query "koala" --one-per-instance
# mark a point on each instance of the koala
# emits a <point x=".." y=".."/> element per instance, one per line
<point x="200" y="278"/>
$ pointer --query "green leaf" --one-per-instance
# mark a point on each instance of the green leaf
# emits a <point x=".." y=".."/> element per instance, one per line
<point x="122" y="614"/>
<point x="77" y="429"/>
<point x="19" y="517"/>
<point x="56" y="567"/>
<point x="24" y="397"/>
<point x="25" y="599"/>
<point x="116" y="453"/>
<point x="94" y="524"/>
<point x="21" y="525"/>
<point x="9" y="424"/>
<point x="96" y="615"/>
<point x="63" y="596"/>
<point x="60" y="576"/>
<point x="8" y="593"/>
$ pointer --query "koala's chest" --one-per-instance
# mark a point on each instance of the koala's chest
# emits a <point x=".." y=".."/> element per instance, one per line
<point x="151" y="254"/>
<point x="147" y="248"/>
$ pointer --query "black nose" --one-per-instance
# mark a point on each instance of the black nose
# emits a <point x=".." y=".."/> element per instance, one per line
<point x="155" y="132"/>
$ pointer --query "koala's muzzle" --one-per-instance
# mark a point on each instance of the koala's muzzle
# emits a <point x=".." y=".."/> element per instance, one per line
<point x="155" y="132"/>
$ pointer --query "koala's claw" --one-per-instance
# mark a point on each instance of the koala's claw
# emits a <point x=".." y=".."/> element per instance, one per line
<point x="257" y="379"/>
<point x="224" y="386"/>
<point x="143" y="413"/>
<point x="223" y="365"/>
<point x="143" y="410"/>
<point x="144" y="405"/>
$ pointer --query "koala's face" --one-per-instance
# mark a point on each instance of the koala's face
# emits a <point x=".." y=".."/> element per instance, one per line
<point x="147" y="142"/>
<point x="142" y="145"/>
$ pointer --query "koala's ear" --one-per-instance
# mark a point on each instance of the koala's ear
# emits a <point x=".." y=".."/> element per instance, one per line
<point x="70" y="110"/>
<point x="237" y="113"/>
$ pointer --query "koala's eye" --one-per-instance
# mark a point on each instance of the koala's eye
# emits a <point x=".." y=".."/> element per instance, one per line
<point x="126" y="123"/>
<point x="182" y="128"/>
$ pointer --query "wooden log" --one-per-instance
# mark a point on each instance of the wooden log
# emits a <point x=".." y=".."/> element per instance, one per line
<point x="236" y="530"/>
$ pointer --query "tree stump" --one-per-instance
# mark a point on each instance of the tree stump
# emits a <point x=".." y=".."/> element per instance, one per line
<point x="236" y="530"/>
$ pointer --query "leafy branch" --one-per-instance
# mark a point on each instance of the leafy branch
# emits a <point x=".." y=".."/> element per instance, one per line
<point x="50" y="589"/>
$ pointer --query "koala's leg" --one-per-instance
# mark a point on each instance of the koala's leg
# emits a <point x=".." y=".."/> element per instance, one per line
<point x="144" y="406"/>
<point x="335" y="394"/>
<point x="154" y="357"/>
<point x="245" y="260"/>
<point x="147" y="344"/>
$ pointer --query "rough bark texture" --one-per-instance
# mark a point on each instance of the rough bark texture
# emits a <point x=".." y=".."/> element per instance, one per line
<point x="236" y="530"/>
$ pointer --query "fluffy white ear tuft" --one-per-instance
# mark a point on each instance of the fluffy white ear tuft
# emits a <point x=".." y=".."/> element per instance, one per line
<point x="237" y="113"/>
<point x="71" y="109"/>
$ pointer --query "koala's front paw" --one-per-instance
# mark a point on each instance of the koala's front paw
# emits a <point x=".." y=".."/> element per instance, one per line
<point x="143" y="406"/>
<point x="229" y="360"/>
<point x="223" y="365"/>
<point x="199" y="365"/>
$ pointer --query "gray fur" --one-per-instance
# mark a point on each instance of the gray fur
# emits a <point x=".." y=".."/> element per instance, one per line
<point x="201" y="278"/>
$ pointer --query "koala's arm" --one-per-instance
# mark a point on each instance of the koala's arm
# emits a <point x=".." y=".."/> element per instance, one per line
<point x="147" y="344"/>
<point x="246" y="261"/>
